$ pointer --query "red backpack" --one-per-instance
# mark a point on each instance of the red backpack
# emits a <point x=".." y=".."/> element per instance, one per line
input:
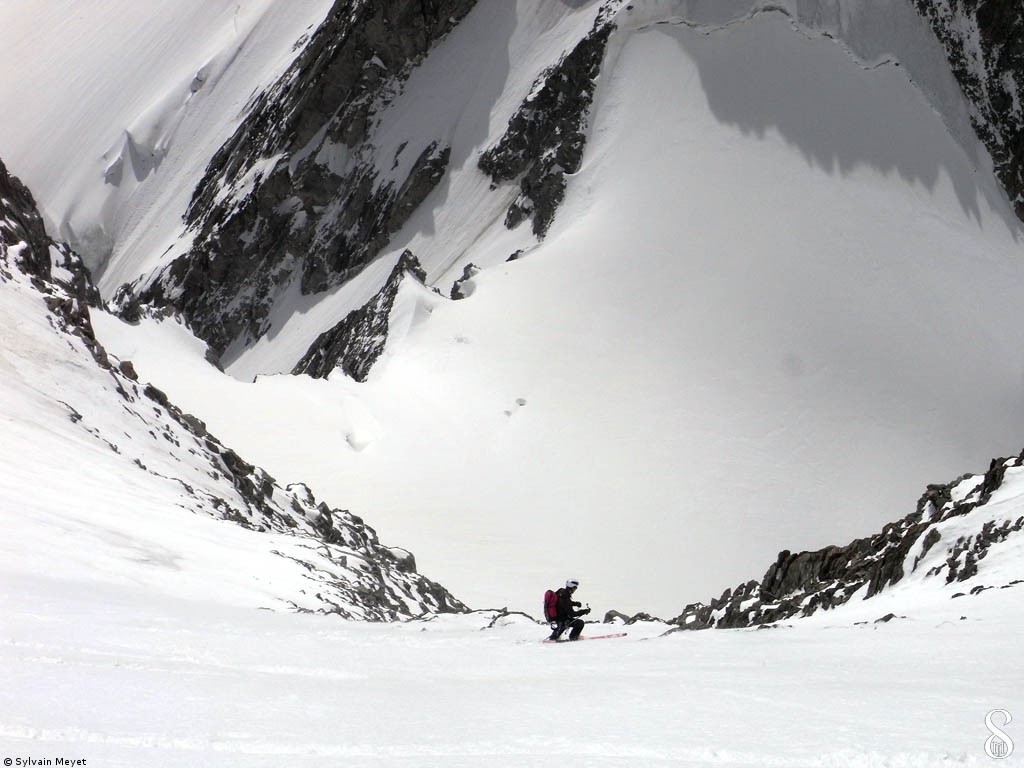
<point x="550" y="605"/>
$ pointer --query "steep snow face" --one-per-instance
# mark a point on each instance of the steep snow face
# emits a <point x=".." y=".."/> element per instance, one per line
<point x="987" y="55"/>
<point x="780" y="298"/>
<point x="123" y="103"/>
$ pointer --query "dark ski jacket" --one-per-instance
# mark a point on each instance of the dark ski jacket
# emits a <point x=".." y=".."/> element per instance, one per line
<point x="565" y="607"/>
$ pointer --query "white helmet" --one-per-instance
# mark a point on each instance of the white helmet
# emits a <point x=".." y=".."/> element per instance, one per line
<point x="572" y="584"/>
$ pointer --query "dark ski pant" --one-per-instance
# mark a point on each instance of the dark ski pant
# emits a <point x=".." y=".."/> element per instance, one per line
<point x="575" y="627"/>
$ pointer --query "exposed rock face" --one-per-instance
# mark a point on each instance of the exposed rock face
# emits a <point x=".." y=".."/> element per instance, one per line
<point x="463" y="287"/>
<point x="350" y="572"/>
<point x="356" y="342"/>
<point x="984" y="40"/>
<point x="802" y="583"/>
<point x="545" y="137"/>
<point x="298" y="192"/>
<point x="22" y="226"/>
<point x="54" y="269"/>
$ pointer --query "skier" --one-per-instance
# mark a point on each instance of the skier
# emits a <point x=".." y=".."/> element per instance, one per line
<point x="566" y="613"/>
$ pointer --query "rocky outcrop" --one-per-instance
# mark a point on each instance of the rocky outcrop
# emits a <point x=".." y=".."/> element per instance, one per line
<point x="53" y="269"/>
<point x="349" y="571"/>
<point x="299" y="192"/>
<point x="463" y="287"/>
<point x="546" y="136"/>
<point x="358" y="340"/>
<point x="984" y="41"/>
<point x="22" y="233"/>
<point x="802" y="583"/>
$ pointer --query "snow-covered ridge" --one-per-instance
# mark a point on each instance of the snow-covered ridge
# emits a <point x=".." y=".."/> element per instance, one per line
<point x="874" y="35"/>
<point x="146" y="93"/>
<point x="964" y="538"/>
<point x="161" y="466"/>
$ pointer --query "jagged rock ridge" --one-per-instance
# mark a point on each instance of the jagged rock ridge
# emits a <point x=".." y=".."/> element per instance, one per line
<point x="350" y="572"/>
<point x="301" y="193"/>
<point x="802" y="583"/>
<point x="53" y="269"/>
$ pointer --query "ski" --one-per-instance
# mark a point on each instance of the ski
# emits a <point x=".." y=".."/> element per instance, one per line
<point x="586" y="637"/>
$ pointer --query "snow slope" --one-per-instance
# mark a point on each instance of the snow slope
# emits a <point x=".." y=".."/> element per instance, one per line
<point x="121" y="105"/>
<point x="755" y="324"/>
<point x="86" y="515"/>
<point x="217" y="685"/>
<point x="107" y="482"/>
